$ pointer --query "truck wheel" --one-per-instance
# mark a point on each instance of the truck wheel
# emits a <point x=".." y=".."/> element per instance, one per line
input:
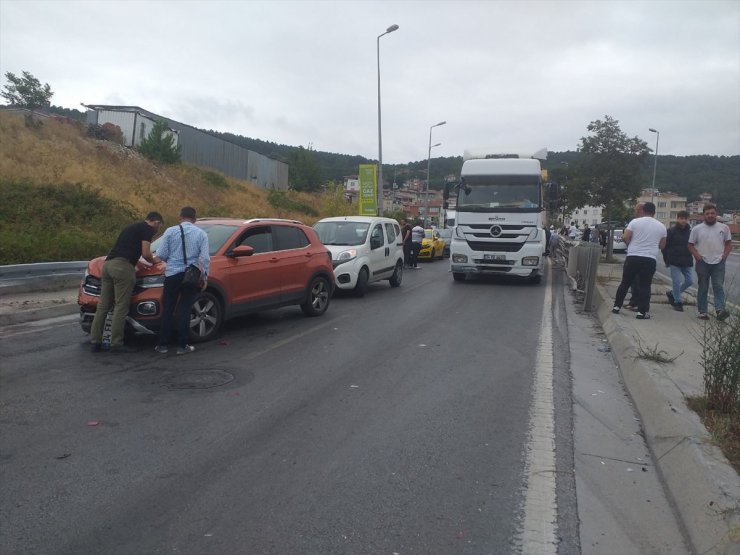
<point x="458" y="276"/>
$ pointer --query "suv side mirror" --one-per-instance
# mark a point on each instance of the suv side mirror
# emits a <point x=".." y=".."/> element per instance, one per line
<point x="242" y="250"/>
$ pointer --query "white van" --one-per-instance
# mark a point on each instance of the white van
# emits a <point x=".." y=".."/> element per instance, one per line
<point x="364" y="249"/>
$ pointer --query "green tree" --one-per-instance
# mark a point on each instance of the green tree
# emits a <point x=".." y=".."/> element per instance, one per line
<point x="159" y="145"/>
<point x="305" y="173"/>
<point x="26" y="91"/>
<point x="607" y="173"/>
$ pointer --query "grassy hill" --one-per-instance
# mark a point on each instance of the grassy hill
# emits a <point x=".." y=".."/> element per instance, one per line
<point x="64" y="196"/>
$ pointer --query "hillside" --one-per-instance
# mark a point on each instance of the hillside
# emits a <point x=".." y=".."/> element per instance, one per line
<point x="64" y="196"/>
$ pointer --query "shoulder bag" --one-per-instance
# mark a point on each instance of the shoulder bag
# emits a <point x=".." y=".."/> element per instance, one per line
<point x="192" y="273"/>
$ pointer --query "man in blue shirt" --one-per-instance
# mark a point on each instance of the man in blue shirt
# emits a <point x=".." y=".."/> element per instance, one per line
<point x="171" y="251"/>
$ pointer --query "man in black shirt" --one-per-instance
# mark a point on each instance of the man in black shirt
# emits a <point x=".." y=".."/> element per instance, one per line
<point x="406" y="240"/>
<point x="119" y="277"/>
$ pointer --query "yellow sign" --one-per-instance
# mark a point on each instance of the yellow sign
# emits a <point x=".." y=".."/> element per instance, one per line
<point x="368" y="190"/>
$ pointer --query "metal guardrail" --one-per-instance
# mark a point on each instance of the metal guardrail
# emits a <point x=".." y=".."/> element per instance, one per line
<point x="39" y="269"/>
<point x="582" y="266"/>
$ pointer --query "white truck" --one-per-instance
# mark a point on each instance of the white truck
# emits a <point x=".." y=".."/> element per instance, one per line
<point x="499" y="216"/>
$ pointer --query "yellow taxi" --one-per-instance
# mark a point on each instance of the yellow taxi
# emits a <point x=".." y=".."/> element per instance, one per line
<point x="432" y="246"/>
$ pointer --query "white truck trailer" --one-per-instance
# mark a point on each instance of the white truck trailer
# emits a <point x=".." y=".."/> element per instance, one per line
<point x="499" y="216"/>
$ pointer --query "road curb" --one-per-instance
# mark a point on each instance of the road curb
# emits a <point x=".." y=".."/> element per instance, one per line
<point x="699" y="482"/>
<point x="23" y="316"/>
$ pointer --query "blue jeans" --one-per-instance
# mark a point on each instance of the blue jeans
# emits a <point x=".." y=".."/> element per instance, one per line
<point x="716" y="273"/>
<point x="676" y="273"/>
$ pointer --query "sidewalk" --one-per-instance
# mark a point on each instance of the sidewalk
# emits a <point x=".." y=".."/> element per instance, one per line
<point x="703" y="487"/>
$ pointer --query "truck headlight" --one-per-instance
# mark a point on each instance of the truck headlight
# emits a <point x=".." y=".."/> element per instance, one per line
<point x="530" y="261"/>
<point x="460" y="258"/>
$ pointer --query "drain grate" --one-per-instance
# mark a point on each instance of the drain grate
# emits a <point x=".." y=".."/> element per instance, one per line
<point x="199" y="379"/>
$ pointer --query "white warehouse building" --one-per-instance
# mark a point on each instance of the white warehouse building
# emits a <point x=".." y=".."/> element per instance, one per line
<point x="590" y="215"/>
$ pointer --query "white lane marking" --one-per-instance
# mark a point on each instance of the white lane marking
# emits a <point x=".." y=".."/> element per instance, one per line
<point x="538" y="534"/>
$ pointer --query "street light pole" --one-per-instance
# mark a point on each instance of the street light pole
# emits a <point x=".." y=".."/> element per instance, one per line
<point x="655" y="162"/>
<point x="380" y="136"/>
<point x="429" y="163"/>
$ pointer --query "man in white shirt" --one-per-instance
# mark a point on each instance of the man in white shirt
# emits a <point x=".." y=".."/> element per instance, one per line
<point x="644" y="237"/>
<point x="417" y="238"/>
<point x="710" y="244"/>
<point x="573" y="231"/>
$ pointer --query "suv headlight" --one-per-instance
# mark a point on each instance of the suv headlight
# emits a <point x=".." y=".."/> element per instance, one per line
<point x="150" y="281"/>
<point x="346" y="256"/>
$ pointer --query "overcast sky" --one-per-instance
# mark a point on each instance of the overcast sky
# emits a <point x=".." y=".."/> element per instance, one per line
<point x="509" y="75"/>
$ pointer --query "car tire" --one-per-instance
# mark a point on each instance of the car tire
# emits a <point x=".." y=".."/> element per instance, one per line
<point x="318" y="297"/>
<point x="362" y="279"/>
<point x="458" y="276"/>
<point x="397" y="276"/>
<point x="206" y="316"/>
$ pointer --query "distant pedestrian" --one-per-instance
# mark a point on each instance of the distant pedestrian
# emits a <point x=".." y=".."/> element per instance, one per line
<point x="586" y="237"/>
<point x="644" y="236"/>
<point x="678" y="259"/>
<point x="119" y="278"/>
<point x="554" y="246"/>
<point x="710" y="244"/>
<point x="178" y="242"/>
<point x="548" y="234"/>
<point x="573" y="231"/>
<point x="406" y="239"/>
<point x="594" y="236"/>
<point x="417" y="238"/>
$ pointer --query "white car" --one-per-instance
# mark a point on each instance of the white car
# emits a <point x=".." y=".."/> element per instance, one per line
<point x="618" y="243"/>
<point x="364" y="249"/>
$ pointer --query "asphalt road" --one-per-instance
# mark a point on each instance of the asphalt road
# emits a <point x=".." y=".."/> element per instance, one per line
<point x="396" y="423"/>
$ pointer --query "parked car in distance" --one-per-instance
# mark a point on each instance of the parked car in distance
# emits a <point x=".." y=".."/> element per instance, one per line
<point x="618" y="243"/>
<point x="432" y="246"/>
<point x="364" y="249"/>
<point x="256" y="265"/>
<point x="446" y="236"/>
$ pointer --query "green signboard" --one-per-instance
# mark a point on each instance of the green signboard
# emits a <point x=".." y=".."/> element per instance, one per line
<point x="368" y="190"/>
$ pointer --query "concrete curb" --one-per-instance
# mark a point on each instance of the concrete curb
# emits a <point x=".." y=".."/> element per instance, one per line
<point x="23" y="316"/>
<point x="699" y="481"/>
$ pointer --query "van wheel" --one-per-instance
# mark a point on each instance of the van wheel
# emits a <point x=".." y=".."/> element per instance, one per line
<point x="458" y="276"/>
<point x="397" y="276"/>
<point x="361" y="285"/>
<point x="317" y="297"/>
<point x="205" y="318"/>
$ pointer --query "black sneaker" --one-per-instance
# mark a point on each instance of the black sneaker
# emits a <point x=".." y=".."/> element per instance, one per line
<point x="615" y="310"/>
<point x="671" y="300"/>
<point x="722" y="315"/>
<point x="643" y="316"/>
<point x="678" y="307"/>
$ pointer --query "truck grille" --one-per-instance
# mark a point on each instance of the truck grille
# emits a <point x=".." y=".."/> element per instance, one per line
<point x="495" y="246"/>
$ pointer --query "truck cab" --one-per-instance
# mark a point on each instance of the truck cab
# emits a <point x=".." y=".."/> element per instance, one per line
<point x="499" y="216"/>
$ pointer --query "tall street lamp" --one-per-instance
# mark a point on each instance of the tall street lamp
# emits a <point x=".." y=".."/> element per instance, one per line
<point x="380" y="137"/>
<point x="655" y="163"/>
<point x="429" y="163"/>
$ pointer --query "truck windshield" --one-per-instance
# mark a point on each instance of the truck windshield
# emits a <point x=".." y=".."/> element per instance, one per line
<point x="497" y="195"/>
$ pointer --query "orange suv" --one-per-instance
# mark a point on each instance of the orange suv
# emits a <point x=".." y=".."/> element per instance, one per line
<point x="255" y="265"/>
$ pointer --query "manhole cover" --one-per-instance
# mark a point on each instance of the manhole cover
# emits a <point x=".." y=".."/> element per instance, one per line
<point x="199" y="379"/>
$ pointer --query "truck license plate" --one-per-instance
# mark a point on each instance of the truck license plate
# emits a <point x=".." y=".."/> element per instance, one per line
<point x="494" y="257"/>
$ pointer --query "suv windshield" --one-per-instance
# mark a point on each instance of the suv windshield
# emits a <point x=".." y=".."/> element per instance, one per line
<point x="217" y="235"/>
<point x="342" y="233"/>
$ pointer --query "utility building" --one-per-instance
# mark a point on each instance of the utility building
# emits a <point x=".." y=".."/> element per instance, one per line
<point x="197" y="146"/>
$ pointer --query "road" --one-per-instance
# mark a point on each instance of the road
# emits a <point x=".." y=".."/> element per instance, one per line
<point x="380" y="427"/>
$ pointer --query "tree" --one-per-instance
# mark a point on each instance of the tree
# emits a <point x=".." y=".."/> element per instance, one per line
<point x="607" y="173"/>
<point x="160" y="145"/>
<point x="26" y="91"/>
<point x="305" y="173"/>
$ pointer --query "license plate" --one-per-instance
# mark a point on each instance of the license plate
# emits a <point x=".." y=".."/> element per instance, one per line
<point x="494" y="257"/>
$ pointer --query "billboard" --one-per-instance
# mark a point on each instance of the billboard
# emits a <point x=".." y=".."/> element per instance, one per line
<point x="368" y="190"/>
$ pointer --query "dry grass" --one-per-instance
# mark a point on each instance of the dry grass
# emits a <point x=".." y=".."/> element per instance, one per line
<point x="59" y="153"/>
<point x="724" y="428"/>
